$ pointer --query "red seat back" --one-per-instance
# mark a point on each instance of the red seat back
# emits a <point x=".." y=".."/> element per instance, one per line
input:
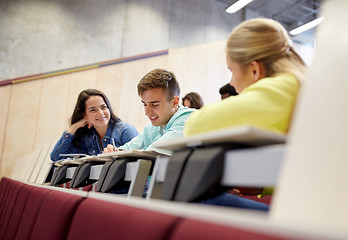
<point x="55" y="215"/>
<point x="96" y="219"/>
<point x="190" y="229"/>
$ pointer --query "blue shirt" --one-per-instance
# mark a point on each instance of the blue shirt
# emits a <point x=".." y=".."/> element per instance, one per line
<point x="153" y="134"/>
<point x="121" y="132"/>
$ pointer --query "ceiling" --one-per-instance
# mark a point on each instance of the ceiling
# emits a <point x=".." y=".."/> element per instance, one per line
<point x="291" y="13"/>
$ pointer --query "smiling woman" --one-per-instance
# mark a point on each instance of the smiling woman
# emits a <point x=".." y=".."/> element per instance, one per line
<point x="93" y="126"/>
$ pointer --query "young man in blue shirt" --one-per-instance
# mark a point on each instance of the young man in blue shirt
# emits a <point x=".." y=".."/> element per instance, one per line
<point x="160" y="94"/>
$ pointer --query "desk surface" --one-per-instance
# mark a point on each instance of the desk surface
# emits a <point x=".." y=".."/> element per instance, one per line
<point x="241" y="134"/>
<point x="104" y="157"/>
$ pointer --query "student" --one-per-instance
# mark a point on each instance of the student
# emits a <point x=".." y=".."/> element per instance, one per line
<point x="159" y="91"/>
<point x="227" y="90"/>
<point x="267" y="73"/>
<point x="93" y="127"/>
<point x="192" y="100"/>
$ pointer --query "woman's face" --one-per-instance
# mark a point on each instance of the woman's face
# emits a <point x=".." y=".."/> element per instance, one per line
<point x="97" y="112"/>
<point x="241" y="77"/>
<point x="187" y="103"/>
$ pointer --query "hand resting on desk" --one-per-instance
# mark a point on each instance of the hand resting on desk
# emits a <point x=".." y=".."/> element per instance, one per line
<point x="110" y="148"/>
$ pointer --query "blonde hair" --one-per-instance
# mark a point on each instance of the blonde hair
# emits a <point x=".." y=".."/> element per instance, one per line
<point x="267" y="42"/>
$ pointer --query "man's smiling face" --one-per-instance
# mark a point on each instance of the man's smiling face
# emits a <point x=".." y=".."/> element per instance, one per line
<point x="157" y="107"/>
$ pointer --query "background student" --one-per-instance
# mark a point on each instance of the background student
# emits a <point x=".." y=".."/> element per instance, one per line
<point x="267" y="73"/>
<point x="192" y="100"/>
<point x="93" y="126"/>
<point x="160" y="94"/>
<point x="227" y="90"/>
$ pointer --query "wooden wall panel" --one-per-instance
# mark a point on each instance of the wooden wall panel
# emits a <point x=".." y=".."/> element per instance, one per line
<point x="217" y="72"/>
<point x="79" y="81"/>
<point x="4" y="100"/>
<point x="129" y="103"/>
<point x="52" y="119"/>
<point x="22" y="123"/>
<point x="177" y="63"/>
<point x="201" y="69"/>
<point x="197" y="68"/>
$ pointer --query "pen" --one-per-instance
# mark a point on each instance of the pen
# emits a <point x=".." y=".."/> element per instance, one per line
<point x="113" y="143"/>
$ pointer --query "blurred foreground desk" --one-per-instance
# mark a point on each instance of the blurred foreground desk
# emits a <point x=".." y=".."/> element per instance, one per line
<point x="207" y="164"/>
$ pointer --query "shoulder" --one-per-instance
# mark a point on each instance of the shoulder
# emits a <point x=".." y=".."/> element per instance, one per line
<point x="124" y="127"/>
<point x="278" y="81"/>
<point x="181" y="115"/>
<point x="183" y="111"/>
<point x="278" y="86"/>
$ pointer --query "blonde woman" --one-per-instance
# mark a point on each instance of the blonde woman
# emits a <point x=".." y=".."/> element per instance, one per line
<point x="266" y="73"/>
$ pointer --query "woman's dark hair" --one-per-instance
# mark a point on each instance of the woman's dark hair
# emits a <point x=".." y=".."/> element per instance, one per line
<point x="80" y="109"/>
<point x="195" y="100"/>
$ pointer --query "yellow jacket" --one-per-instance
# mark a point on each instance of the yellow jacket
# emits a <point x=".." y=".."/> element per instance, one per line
<point x="268" y="104"/>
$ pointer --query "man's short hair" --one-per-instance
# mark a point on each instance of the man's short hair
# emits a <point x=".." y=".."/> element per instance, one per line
<point x="160" y="78"/>
<point x="228" y="89"/>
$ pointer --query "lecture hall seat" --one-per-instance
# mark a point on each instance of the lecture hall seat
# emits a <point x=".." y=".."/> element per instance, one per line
<point x="189" y="229"/>
<point x="55" y="215"/>
<point x="97" y="219"/>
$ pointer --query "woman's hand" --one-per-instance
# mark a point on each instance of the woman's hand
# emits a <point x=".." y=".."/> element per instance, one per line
<point x="73" y="128"/>
<point x="110" y="148"/>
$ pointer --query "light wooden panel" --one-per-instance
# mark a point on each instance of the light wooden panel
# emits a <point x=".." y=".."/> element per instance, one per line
<point x="52" y="118"/>
<point x="45" y="167"/>
<point x="177" y="63"/>
<point x="22" y="123"/>
<point x="201" y="69"/>
<point x="130" y="103"/>
<point x="39" y="161"/>
<point x="4" y="100"/>
<point x="217" y="72"/>
<point x="79" y="81"/>
<point x="20" y="167"/>
<point x="197" y="69"/>
<point x="29" y="163"/>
